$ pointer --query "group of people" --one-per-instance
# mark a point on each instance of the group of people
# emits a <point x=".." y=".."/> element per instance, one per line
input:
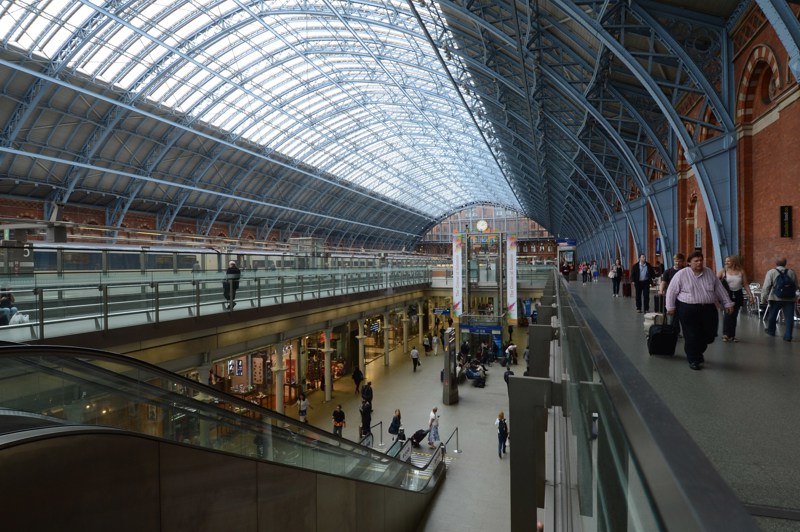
<point x="589" y="271"/>
<point x="693" y="295"/>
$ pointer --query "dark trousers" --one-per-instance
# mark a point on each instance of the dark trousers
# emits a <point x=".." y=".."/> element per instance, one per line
<point x="615" y="282"/>
<point x="729" y="320"/>
<point x="642" y="295"/>
<point x="788" y="317"/>
<point x="699" y="324"/>
<point x="415" y="361"/>
<point x="229" y="290"/>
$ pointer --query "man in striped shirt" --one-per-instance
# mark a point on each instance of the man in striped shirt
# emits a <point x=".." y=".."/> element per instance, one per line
<point x="699" y="291"/>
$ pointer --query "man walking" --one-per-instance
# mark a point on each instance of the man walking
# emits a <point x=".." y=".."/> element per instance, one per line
<point x="230" y="284"/>
<point x="415" y="357"/>
<point x="695" y="291"/>
<point x="780" y="287"/>
<point x="338" y="420"/>
<point x="641" y="275"/>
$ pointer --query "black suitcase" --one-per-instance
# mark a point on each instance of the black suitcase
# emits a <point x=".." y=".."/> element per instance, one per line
<point x="659" y="303"/>
<point x="626" y="289"/>
<point x="661" y="340"/>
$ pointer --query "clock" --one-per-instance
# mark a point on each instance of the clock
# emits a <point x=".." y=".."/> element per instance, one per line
<point x="482" y="225"/>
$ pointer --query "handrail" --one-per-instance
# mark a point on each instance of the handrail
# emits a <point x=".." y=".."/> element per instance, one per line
<point x="105" y="364"/>
<point x="454" y="433"/>
<point x="163" y="297"/>
<point x="371" y="437"/>
<point x="670" y="466"/>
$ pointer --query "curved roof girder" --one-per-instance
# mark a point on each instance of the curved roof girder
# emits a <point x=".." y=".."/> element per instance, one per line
<point x="607" y="208"/>
<point x="616" y="96"/>
<point x="787" y="26"/>
<point x="721" y="221"/>
<point x="570" y="92"/>
<point x="172" y="123"/>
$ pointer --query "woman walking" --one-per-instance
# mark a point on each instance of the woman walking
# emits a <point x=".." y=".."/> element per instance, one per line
<point x="616" y="277"/>
<point x="394" y="426"/>
<point x="734" y="278"/>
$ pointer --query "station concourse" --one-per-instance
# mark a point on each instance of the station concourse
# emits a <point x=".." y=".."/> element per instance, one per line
<point x="358" y="151"/>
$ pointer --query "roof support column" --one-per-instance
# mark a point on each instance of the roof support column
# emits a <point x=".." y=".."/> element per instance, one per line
<point x="717" y="160"/>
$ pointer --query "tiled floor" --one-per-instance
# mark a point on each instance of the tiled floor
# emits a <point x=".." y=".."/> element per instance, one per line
<point x="742" y="410"/>
<point x="475" y="495"/>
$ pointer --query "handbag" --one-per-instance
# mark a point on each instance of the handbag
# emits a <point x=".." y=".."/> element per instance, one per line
<point x="612" y="274"/>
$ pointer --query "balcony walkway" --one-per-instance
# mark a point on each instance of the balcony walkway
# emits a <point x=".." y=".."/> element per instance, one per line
<point x="741" y="409"/>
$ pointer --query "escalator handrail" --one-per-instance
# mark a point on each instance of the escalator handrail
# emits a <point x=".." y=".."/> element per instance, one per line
<point x="69" y="353"/>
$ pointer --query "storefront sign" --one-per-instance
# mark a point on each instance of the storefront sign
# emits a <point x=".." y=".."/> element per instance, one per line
<point x="441" y="311"/>
<point x="239" y="367"/>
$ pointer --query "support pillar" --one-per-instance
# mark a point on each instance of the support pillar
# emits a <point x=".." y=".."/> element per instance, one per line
<point x="386" y="339"/>
<point x="328" y="351"/>
<point x="420" y="320"/>
<point x="361" y="349"/>
<point x="405" y="322"/>
<point x="278" y="376"/>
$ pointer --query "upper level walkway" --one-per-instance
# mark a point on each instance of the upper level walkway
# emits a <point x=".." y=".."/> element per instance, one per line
<point x="740" y="409"/>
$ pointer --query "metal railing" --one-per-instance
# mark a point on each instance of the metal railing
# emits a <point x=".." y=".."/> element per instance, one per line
<point x="80" y="387"/>
<point x="100" y="302"/>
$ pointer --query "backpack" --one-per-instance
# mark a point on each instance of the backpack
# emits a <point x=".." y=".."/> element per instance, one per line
<point x="502" y="428"/>
<point x="784" y="287"/>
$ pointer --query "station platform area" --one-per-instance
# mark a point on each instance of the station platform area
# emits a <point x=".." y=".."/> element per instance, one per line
<point x="739" y="410"/>
<point x="475" y="495"/>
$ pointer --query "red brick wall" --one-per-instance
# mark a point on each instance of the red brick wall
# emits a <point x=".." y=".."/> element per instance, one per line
<point x="768" y="157"/>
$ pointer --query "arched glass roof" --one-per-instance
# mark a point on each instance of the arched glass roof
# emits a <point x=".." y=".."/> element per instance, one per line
<point x="351" y="89"/>
<point x="367" y="122"/>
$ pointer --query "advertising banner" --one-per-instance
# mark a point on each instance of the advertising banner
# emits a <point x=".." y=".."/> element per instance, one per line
<point x="458" y="276"/>
<point x="511" y="279"/>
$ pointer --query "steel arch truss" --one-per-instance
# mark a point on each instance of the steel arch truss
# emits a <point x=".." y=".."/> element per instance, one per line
<point x="365" y="122"/>
<point x="627" y="84"/>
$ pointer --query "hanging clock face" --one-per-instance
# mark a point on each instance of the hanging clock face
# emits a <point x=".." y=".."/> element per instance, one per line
<point x="482" y="225"/>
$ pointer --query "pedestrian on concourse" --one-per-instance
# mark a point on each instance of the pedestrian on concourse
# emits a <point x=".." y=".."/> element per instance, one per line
<point x="678" y="263"/>
<point x="415" y="358"/>
<point x="302" y="408"/>
<point x="698" y="290"/>
<point x="231" y="284"/>
<point x="366" y="417"/>
<point x="435" y="342"/>
<point x="642" y="274"/>
<point x="734" y="278"/>
<point x="773" y="285"/>
<point x="502" y="433"/>
<point x="357" y="378"/>
<point x="615" y="273"/>
<point x="433" y="427"/>
<point x="394" y="426"/>
<point x="338" y="419"/>
<point x="366" y="392"/>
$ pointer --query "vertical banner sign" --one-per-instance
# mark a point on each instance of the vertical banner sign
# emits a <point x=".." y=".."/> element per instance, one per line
<point x="458" y="279"/>
<point x="511" y="279"/>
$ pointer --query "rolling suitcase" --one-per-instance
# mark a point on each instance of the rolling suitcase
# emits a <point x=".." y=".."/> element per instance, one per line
<point x="659" y="303"/>
<point x="662" y="338"/>
<point x="626" y="289"/>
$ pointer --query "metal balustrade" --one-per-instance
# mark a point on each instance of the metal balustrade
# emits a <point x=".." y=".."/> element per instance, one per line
<point x="87" y="302"/>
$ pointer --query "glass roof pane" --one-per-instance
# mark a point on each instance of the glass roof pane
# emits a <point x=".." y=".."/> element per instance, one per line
<point x="352" y="88"/>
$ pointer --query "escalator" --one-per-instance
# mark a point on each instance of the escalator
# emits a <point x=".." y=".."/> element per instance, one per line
<point x="91" y="440"/>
